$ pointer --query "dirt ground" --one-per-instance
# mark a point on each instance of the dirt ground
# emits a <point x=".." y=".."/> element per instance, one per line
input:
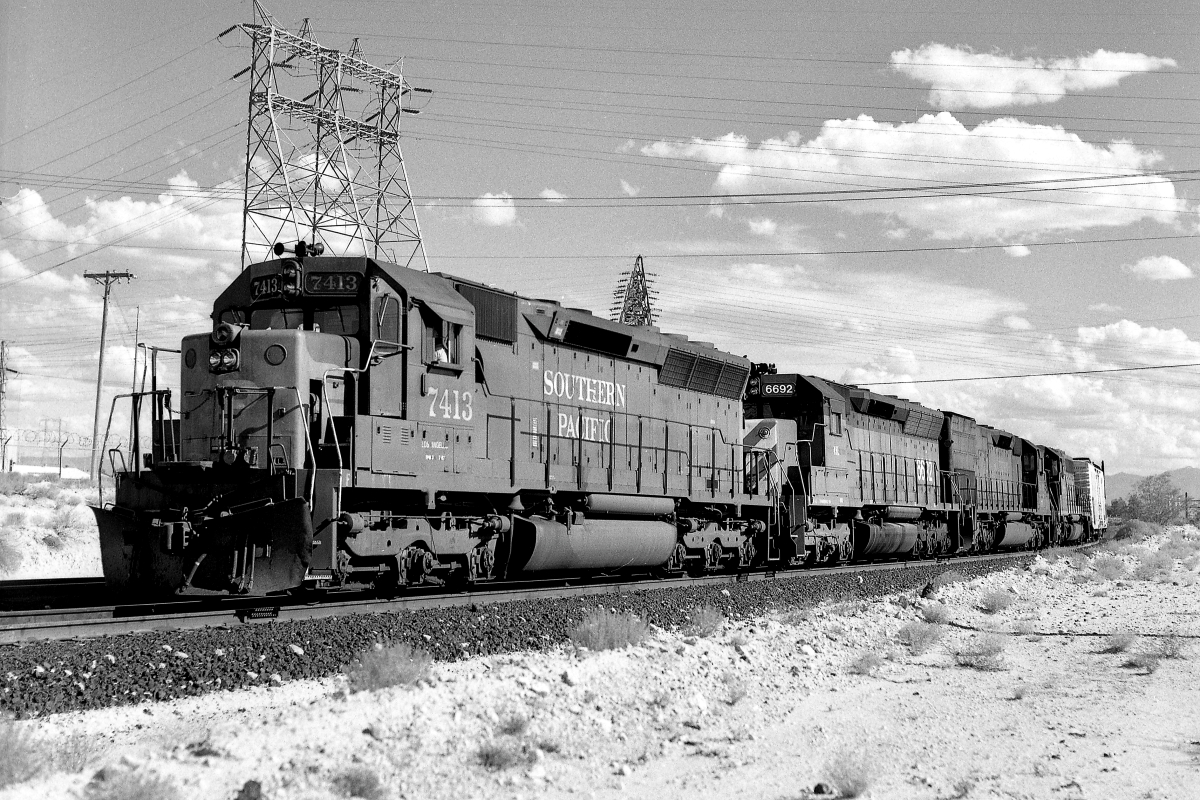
<point x="764" y="708"/>
<point x="47" y="531"/>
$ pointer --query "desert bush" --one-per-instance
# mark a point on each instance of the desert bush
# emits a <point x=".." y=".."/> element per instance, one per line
<point x="995" y="600"/>
<point x="946" y="578"/>
<point x="1135" y="530"/>
<point x="10" y="556"/>
<point x="866" y="663"/>
<point x="1170" y="647"/>
<point x="381" y="667"/>
<point x="501" y="755"/>
<point x="850" y="771"/>
<point x="12" y="482"/>
<point x="704" y="621"/>
<point x="513" y="725"/>
<point x="1118" y="643"/>
<point x="20" y="756"/>
<point x="1077" y="560"/>
<point x="358" y="781"/>
<point x="738" y="639"/>
<point x="131" y="786"/>
<point x="1153" y="566"/>
<point x="1192" y="562"/>
<point x="982" y="653"/>
<point x="52" y="542"/>
<point x="1146" y="662"/>
<point x="604" y="629"/>
<point x="67" y="520"/>
<point x="75" y="753"/>
<point x="920" y="636"/>
<point x="1107" y="568"/>
<point x="13" y="519"/>
<point x="935" y="613"/>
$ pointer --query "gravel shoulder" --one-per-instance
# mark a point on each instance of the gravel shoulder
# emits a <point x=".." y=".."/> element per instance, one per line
<point x="766" y="707"/>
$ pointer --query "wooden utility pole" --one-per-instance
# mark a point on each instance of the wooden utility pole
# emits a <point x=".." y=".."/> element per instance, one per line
<point x="3" y="386"/>
<point x="105" y="279"/>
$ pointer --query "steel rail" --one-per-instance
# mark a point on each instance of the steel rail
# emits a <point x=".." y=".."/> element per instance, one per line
<point x="70" y="623"/>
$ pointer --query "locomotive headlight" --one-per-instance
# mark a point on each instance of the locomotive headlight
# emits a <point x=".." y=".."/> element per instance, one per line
<point x="229" y="359"/>
<point x="214" y="359"/>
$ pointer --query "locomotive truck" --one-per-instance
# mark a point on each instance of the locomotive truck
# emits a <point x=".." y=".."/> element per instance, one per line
<point x="348" y="423"/>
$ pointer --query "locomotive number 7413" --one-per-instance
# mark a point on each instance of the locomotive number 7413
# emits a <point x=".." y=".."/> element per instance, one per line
<point x="452" y="403"/>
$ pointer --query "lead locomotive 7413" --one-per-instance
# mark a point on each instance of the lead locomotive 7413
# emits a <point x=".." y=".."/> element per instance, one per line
<point x="353" y="422"/>
<point x="349" y="422"/>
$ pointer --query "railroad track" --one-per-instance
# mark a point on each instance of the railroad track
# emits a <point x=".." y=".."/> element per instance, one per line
<point x="53" y="593"/>
<point x="102" y="620"/>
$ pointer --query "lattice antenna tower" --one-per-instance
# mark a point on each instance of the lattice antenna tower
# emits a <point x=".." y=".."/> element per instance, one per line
<point x="632" y="297"/>
<point x="325" y="167"/>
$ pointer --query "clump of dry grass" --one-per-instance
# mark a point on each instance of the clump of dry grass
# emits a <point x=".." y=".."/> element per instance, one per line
<point x="381" y="667"/>
<point x="935" y="613"/>
<point x="981" y="653"/>
<point x="866" y="663"/>
<point x="704" y="621"/>
<point x="497" y="755"/>
<point x="12" y="482"/>
<point x="1107" y="568"/>
<point x="920" y="636"/>
<point x="850" y="771"/>
<point x="14" y="519"/>
<point x="10" y="557"/>
<point x="604" y="629"/>
<point x="946" y="578"/>
<point x="76" y="752"/>
<point x="131" y="786"/>
<point x="20" y="756"/>
<point x="994" y="601"/>
<point x="1077" y="560"/>
<point x="1180" y="547"/>
<point x="513" y="725"/>
<point x="1170" y="647"/>
<point x="1146" y="662"/>
<point x="359" y="781"/>
<point x="1154" y="565"/>
<point x="1118" y="643"/>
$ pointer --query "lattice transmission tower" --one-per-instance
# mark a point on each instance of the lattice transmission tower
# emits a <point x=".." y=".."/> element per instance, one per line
<point x="632" y="296"/>
<point x="323" y="160"/>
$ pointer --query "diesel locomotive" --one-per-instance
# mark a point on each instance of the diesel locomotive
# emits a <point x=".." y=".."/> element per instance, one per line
<point x="347" y="422"/>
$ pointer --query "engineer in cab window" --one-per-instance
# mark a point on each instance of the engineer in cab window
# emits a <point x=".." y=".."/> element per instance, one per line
<point x="440" y="353"/>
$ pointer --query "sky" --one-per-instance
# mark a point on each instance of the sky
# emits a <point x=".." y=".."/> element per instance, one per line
<point x="922" y="197"/>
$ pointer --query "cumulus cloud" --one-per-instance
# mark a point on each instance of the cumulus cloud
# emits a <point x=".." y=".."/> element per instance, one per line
<point x="939" y="149"/>
<point x="1017" y="251"/>
<point x="1160" y="268"/>
<point x="960" y="78"/>
<point x="1104" y="308"/>
<point x="497" y="210"/>
<point x="896" y="233"/>
<point x="629" y="189"/>
<point x="552" y="196"/>
<point x="762" y="227"/>
<point x="1015" y="323"/>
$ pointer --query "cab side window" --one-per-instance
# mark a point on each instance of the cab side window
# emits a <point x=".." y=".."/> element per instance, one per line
<point x="440" y="342"/>
<point x="835" y="423"/>
<point x="387" y="324"/>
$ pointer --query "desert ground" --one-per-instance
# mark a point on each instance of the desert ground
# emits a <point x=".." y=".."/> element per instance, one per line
<point x="46" y="530"/>
<point x="1075" y="677"/>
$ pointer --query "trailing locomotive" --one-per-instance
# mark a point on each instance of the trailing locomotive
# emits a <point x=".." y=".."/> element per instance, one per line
<point x="352" y="422"/>
<point x="349" y="422"/>
<point x="878" y="475"/>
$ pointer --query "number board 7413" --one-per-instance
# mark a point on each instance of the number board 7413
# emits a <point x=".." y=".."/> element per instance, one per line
<point x="342" y="283"/>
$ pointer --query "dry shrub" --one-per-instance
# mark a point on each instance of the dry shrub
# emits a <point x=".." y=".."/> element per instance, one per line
<point x="850" y="771"/>
<point x="1135" y="530"/>
<point x="14" y="519"/>
<point x="131" y="786"/>
<point x="866" y="663"/>
<point x="359" y="781"/>
<point x="67" y="520"/>
<point x="513" y="725"/>
<point x="10" y="556"/>
<point x="995" y="600"/>
<point x="1191" y="562"/>
<point x="1077" y="560"/>
<point x="1180" y="547"/>
<point x="502" y="755"/>
<point x="935" y="613"/>
<point x="52" y="542"/>
<point x="704" y="621"/>
<point x="1107" y="568"/>
<point x="981" y="653"/>
<point x="1146" y="662"/>
<point x="1170" y="647"/>
<point x="381" y="667"/>
<point x="12" y="482"/>
<point x="946" y="578"/>
<point x="75" y="752"/>
<point x="42" y="490"/>
<point x="1118" y="643"/>
<point x="1154" y="565"/>
<point x="920" y="636"/>
<point x="604" y="629"/>
<point x="20" y="756"/>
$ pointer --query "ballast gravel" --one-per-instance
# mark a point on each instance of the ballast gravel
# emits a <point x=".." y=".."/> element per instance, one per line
<point x="50" y="677"/>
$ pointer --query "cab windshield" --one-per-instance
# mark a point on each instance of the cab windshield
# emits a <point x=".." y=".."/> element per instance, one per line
<point x="342" y="320"/>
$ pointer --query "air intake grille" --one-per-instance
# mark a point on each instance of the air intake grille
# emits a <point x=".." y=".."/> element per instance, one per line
<point x="495" y="313"/>
<point x="702" y="374"/>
